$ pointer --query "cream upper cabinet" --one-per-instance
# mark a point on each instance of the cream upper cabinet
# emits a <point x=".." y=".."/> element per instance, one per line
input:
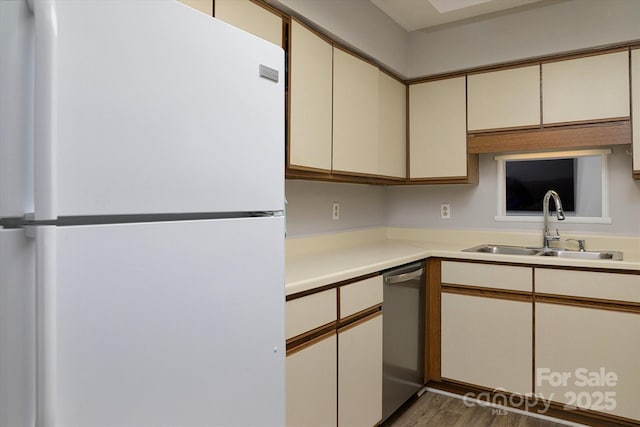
<point x="586" y="89"/>
<point x="312" y="384"/>
<point x="487" y="341"/>
<point x="437" y="129"/>
<point x="504" y="99"/>
<point x="392" y="127"/>
<point x="578" y="343"/>
<point x="355" y="114"/>
<point x="360" y="374"/>
<point x="635" y="101"/>
<point x="310" y="93"/>
<point x="204" y="6"/>
<point x="252" y="18"/>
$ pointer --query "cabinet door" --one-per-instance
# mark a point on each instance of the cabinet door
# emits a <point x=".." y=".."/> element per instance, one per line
<point x="355" y="114"/>
<point x="577" y="342"/>
<point x="312" y="385"/>
<point x="487" y="342"/>
<point x="586" y="89"/>
<point x="438" y="129"/>
<point x="392" y="127"/>
<point x="204" y="6"/>
<point x="252" y="18"/>
<point x="310" y="93"/>
<point x="504" y="99"/>
<point x="635" y="101"/>
<point x="360" y="374"/>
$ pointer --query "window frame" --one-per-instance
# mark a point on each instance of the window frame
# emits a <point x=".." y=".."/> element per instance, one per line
<point x="604" y="218"/>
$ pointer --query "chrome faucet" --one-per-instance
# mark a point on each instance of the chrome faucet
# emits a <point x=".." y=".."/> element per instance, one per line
<point x="546" y="237"/>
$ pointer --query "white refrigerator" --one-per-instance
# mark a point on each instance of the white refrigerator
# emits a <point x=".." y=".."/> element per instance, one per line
<point x="142" y="234"/>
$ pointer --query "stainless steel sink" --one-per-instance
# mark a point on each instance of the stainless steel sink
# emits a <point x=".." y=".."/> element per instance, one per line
<point x="563" y="253"/>
<point x="504" y="250"/>
<point x="557" y="252"/>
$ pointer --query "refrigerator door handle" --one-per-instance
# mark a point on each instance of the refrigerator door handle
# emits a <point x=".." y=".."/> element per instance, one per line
<point x="46" y="316"/>
<point x="45" y="109"/>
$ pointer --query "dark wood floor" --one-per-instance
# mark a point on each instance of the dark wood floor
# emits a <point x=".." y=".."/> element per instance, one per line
<point x="437" y="410"/>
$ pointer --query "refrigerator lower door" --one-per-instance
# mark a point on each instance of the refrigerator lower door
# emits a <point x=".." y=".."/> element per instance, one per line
<point x="17" y="329"/>
<point x="166" y="324"/>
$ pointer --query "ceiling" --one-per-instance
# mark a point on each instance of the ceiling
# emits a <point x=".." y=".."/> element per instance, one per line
<point x="421" y="14"/>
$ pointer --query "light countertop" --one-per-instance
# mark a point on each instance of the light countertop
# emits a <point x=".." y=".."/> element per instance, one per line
<point x="319" y="261"/>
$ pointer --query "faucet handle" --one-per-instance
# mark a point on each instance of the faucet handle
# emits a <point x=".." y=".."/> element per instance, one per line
<point x="580" y="242"/>
<point x="552" y="237"/>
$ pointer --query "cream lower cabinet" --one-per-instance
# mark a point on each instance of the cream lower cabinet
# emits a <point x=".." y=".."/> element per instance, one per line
<point x="360" y="373"/>
<point x="487" y="325"/>
<point x="635" y="102"/>
<point x="586" y="89"/>
<point x="312" y="388"/>
<point x="487" y="342"/>
<point x="587" y="327"/>
<point x="438" y="130"/>
<point x="334" y="364"/>
<point x="588" y="358"/>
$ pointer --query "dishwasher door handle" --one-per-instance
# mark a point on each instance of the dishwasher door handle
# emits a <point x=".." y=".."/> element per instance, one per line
<point x="405" y="277"/>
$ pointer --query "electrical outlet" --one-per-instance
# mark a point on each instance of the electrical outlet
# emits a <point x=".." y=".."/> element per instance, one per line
<point x="445" y="211"/>
<point x="335" y="215"/>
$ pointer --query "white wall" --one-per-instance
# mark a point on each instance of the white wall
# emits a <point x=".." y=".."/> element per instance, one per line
<point x="528" y="32"/>
<point x="474" y="207"/>
<point x="310" y="202"/>
<point x="358" y="24"/>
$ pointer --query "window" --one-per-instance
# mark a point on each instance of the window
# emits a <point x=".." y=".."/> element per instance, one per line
<point x="581" y="178"/>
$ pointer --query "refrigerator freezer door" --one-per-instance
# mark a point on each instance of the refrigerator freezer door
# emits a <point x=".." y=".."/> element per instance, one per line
<point x="174" y="323"/>
<point x="151" y="107"/>
<point x="17" y="329"/>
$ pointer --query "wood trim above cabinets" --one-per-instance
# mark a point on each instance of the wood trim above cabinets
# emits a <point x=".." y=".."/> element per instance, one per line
<point x="552" y="138"/>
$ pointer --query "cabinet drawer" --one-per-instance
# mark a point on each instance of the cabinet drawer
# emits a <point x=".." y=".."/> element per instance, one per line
<point x="310" y="312"/>
<point x="360" y="296"/>
<point x="613" y="286"/>
<point x="487" y="275"/>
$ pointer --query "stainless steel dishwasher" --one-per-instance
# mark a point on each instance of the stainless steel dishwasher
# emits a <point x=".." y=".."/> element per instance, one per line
<point x="403" y="335"/>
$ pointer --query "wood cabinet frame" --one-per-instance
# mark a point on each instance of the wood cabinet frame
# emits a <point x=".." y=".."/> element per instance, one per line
<point x="435" y="287"/>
